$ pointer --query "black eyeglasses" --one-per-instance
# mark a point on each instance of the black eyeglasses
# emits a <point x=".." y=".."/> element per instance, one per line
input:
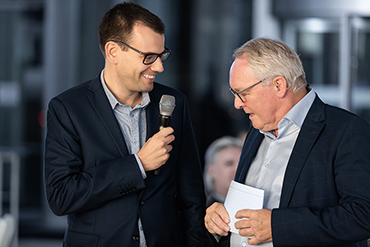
<point x="149" y="58"/>
<point x="238" y="93"/>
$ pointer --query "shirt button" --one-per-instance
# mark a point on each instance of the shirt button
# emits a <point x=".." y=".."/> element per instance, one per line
<point x="267" y="165"/>
<point x="244" y="244"/>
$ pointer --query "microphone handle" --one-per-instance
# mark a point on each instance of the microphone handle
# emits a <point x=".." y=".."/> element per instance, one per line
<point x="164" y="121"/>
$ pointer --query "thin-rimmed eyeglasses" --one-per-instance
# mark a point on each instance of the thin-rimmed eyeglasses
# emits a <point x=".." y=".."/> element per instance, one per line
<point x="238" y="93"/>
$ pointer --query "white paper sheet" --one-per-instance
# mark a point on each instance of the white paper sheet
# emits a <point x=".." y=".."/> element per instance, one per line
<point x="241" y="196"/>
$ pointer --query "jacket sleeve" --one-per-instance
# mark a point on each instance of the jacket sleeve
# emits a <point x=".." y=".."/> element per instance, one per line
<point x="74" y="183"/>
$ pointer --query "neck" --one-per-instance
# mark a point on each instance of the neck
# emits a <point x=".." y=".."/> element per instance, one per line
<point x="289" y="103"/>
<point x="117" y="88"/>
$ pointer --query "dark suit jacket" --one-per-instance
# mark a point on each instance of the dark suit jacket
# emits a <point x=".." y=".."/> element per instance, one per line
<point x="325" y="199"/>
<point x="90" y="176"/>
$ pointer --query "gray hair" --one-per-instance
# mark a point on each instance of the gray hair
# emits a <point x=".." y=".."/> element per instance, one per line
<point x="211" y="155"/>
<point x="270" y="58"/>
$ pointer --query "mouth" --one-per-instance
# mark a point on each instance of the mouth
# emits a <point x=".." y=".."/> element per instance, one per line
<point x="247" y="112"/>
<point x="149" y="77"/>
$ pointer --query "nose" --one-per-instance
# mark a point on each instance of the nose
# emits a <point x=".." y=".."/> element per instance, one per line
<point x="157" y="66"/>
<point x="238" y="104"/>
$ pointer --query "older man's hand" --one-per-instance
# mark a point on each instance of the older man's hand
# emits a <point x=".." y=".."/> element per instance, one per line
<point x="255" y="224"/>
<point x="217" y="219"/>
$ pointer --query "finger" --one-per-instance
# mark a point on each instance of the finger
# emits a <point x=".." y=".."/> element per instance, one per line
<point x="216" y="228"/>
<point x="220" y="222"/>
<point x="166" y="131"/>
<point x="221" y="210"/>
<point x="170" y="138"/>
<point x="246" y="232"/>
<point x="244" y="213"/>
<point x="253" y="241"/>
<point x="240" y="224"/>
<point x="169" y="148"/>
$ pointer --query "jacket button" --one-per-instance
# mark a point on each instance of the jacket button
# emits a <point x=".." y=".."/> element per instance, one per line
<point x="135" y="238"/>
<point x="142" y="203"/>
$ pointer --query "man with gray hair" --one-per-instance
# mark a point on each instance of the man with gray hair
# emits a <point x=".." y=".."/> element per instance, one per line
<point x="221" y="161"/>
<point x="311" y="159"/>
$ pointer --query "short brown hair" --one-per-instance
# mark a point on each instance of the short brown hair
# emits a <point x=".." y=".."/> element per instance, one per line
<point x="118" y="22"/>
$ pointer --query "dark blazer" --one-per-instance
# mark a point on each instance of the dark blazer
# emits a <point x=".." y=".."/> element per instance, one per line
<point x="90" y="176"/>
<point x="325" y="199"/>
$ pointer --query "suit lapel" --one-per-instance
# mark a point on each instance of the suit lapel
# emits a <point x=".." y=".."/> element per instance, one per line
<point x="311" y="129"/>
<point x="152" y="114"/>
<point x="251" y="145"/>
<point x="103" y="109"/>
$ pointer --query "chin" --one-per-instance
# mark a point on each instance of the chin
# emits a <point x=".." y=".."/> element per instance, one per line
<point x="148" y="87"/>
<point x="151" y="87"/>
<point x="257" y="126"/>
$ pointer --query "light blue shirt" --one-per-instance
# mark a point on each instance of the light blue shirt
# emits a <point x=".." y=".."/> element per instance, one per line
<point x="131" y="121"/>
<point x="133" y="126"/>
<point x="268" y="168"/>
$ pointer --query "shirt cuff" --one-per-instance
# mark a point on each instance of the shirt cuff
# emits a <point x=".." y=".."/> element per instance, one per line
<point x="143" y="173"/>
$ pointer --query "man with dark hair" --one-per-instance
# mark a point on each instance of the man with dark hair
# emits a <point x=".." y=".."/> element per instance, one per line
<point x="103" y="147"/>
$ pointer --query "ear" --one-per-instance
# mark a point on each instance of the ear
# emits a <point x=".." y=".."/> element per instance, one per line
<point x="280" y="85"/>
<point x="211" y="171"/>
<point x="111" y="50"/>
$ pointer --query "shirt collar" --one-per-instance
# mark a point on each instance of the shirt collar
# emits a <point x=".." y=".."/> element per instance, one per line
<point x="113" y="101"/>
<point x="297" y="114"/>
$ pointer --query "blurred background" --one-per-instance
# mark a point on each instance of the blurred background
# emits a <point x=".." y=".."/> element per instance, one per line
<point x="47" y="46"/>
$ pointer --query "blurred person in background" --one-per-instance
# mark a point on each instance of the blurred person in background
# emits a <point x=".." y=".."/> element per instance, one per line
<point x="103" y="147"/>
<point x="221" y="160"/>
<point x="310" y="158"/>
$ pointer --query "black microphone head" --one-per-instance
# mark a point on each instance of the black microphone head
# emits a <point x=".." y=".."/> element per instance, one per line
<point x="166" y="105"/>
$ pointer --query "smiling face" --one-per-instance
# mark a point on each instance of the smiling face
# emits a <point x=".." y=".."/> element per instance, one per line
<point x="134" y="75"/>
<point x="125" y="74"/>
<point x="260" y="101"/>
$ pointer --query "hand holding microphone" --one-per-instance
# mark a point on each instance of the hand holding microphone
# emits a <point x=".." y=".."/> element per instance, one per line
<point x="155" y="151"/>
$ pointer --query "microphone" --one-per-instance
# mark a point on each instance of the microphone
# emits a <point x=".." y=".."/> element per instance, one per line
<point x="166" y="107"/>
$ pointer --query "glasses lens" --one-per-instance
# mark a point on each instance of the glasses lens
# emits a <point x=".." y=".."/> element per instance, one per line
<point x="165" y="55"/>
<point x="150" y="58"/>
<point x="235" y="94"/>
